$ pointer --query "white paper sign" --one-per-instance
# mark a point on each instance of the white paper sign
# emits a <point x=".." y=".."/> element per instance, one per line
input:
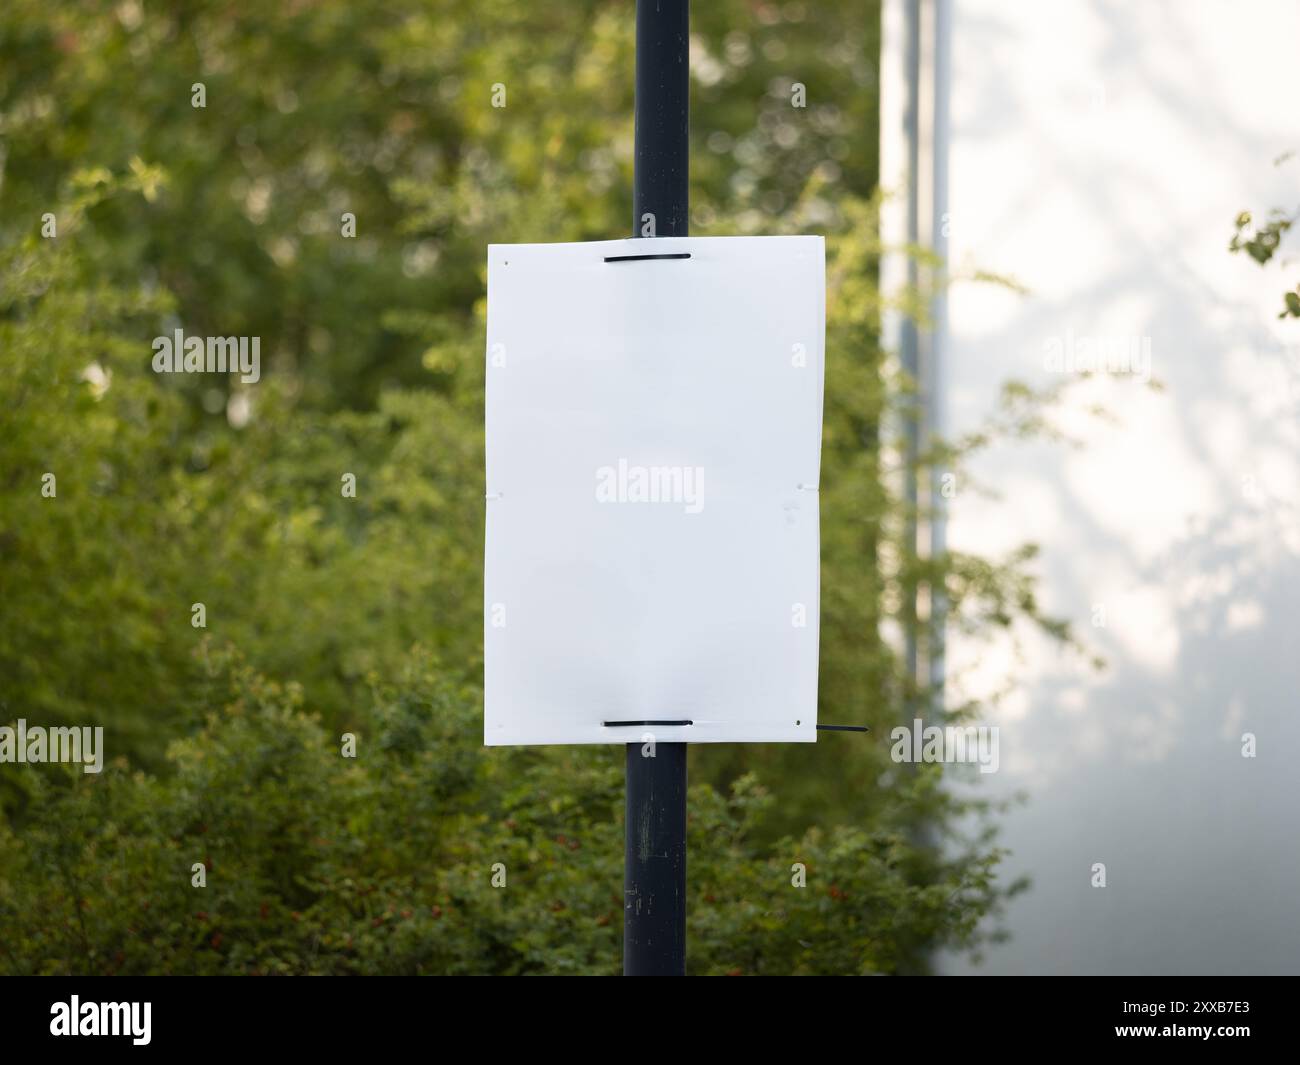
<point x="653" y="452"/>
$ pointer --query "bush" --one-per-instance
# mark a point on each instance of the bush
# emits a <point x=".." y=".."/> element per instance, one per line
<point x="316" y="863"/>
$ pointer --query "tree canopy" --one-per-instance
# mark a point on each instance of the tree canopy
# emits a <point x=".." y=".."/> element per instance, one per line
<point x="327" y="614"/>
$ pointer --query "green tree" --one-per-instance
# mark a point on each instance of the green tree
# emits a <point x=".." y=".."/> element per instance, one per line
<point x="227" y="219"/>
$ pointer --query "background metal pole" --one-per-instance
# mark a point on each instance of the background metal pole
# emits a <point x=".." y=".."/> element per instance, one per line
<point x="654" y="861"/>
<point x="662" y="123"/>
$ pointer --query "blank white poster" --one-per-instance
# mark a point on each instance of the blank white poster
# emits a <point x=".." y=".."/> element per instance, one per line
<point x="653" y="437"/>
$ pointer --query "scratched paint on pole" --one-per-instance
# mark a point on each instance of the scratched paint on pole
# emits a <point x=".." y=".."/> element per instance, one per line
<point x="653" y="448"/>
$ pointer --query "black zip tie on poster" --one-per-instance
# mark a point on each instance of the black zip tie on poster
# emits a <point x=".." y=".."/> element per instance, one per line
<point x="640" y="258"/>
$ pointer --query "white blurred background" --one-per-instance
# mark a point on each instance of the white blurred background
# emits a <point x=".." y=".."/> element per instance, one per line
<point x="1098" y="153"/>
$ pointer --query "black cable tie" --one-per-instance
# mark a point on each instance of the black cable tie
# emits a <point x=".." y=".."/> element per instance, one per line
<point x="638" y="258"/>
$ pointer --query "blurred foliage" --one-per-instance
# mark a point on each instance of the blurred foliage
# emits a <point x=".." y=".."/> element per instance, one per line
<point x="182" y="489"/>
<point x="1262" y="241"/>
<point x="321" y="864"/>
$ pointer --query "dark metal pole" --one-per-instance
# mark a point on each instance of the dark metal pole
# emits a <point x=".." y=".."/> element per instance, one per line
<point x="654" y="863"/>
<point x="654" y="860"/>
<point x="662" y="96"/>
